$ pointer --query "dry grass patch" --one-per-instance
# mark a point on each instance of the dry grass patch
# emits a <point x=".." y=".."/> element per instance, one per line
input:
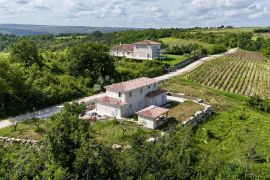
<point x="113" y="132"/>
<point x="184" y="110"/>
<point x="25" y="130"/>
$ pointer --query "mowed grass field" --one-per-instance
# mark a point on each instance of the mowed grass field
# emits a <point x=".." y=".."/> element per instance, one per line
<point x="174" y="59"/>
<point x="176" y="41"/>
<point x="244" y="72"/>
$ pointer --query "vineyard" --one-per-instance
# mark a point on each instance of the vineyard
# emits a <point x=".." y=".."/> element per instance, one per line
<point x="244" y="72"/>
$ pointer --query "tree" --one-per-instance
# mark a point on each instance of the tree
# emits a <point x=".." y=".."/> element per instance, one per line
<point x="90" y="60"/>
<point x="66" y="134"/>
<point x="25" y="51"/>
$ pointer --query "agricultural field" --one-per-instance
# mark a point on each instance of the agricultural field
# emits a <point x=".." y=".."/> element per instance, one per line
<point x="177" y="41"/>
<point x="244" y="72"/>
<point x="265" y="35"/>
<point x="229" y="30"/>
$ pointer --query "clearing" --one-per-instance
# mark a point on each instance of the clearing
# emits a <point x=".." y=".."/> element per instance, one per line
<point x="25" y="130"/>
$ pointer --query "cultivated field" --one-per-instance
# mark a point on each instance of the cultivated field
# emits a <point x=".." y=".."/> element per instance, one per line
<point x="177" y="41"/>
<point x="244" y="72"/>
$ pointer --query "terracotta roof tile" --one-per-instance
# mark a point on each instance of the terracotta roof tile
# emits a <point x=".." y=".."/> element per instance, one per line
<point x="156" y="93"/>
<point x="152" y="111"/>
<point x="147" y="42"/>
<point x="110" y="101"/>
<point x="123" y="48"/>
<point x="131" y="85"/>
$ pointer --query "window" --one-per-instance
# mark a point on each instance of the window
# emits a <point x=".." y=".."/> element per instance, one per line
<point x="148" y="87"/>
<point x="119" y="94"/>
<point x="141" y="91"/>
<point x="130" y="94"/>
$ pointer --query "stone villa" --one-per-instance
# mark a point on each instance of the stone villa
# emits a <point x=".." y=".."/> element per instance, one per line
<point x="145" y="50"/>
<point x="140" y="96"/>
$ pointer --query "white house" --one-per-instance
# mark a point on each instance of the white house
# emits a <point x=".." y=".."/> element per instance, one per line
<point x="146" y="50"/>
<point x="152" y="116"/>
<point x="127" y="98"/>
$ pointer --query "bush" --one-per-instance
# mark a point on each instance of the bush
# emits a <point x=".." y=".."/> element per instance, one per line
<point x="260" y="104"/>
<point x="217" y="49"/>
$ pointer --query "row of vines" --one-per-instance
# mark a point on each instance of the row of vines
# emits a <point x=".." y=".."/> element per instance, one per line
<point x="243" y="72"/>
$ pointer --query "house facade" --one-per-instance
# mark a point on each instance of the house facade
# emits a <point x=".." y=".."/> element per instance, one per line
<point x="145" y="50"/>
<point x="127" y="98"/>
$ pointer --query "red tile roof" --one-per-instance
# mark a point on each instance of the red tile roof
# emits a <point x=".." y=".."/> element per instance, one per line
<point x="156" y="93"/>
<point x="152" y="111"/>
<point x="131" y="85"/>
<point x="123" y="48"/>
<point x="147" y="42"/>
<point x="110" y="101"/>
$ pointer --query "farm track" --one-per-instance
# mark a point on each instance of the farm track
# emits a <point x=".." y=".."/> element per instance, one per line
<point x="243" y="72"/>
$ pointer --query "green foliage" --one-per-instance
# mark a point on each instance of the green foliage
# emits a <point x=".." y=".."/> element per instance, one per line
<point x="25" y="51"/>
<point x="5" y="40"/>
<point x="260" y="104"/>
<point x="90" y="60"/>
<point x="193" y="49"/>
<point x="136" y="68"/>
<point x="66" y="134"/>
<point x="217" y="50"/>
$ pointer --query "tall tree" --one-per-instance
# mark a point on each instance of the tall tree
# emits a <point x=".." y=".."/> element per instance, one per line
<point x="90" y="60"/>
<point x="25" y="51"/>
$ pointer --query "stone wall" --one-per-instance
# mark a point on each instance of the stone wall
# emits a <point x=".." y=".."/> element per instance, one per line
<point x="199" y="116"/>
<point x="187" y="62"/>
<point x="9" y="140"/>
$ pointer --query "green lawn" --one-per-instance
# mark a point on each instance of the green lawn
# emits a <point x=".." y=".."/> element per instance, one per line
<point x="111" y="132"/>
<point x="174" y="59"/>
<point x="233" y="131"/>
<point x="176" y="41"/>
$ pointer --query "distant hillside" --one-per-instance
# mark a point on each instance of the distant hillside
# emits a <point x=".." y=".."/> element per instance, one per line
<point x="25" y="30"/>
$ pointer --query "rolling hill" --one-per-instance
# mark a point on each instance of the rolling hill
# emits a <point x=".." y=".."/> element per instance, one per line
<point x="26" y="30"/>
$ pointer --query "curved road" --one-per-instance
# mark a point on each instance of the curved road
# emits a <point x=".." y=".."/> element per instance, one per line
<point x="47" y="112"/>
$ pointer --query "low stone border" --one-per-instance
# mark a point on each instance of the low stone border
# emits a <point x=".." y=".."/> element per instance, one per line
<point x="199" y="116"/>
<point x="9" y="140"/>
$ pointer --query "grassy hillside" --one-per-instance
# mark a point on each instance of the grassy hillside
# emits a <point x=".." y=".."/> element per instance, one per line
<point x="234" y="131"/>
<point x="26" y="30"/>
<point x="244" y="72"/>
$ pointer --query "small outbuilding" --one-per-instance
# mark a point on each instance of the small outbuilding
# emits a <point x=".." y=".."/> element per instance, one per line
<point x="152" y="116"/>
